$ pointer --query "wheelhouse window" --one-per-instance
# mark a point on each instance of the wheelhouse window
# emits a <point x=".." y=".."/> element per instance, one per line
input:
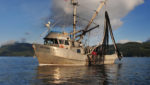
<point x="78" y="51"/>
<point x="61" y="41"/>
<point x="51" y="41"/>
<point x="66" y="42"/>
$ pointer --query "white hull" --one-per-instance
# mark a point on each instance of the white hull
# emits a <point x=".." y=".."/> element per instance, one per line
<point x="49" y="55"/>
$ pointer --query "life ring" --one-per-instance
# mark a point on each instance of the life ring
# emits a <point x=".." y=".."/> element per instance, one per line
<point x="61" y="46"/>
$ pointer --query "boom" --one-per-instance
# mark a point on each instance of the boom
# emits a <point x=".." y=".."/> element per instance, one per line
<point x="93" y="17"/>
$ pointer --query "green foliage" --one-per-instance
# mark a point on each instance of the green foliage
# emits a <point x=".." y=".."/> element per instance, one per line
<point x="132" y="49"/>
<point x="17" y="49"/>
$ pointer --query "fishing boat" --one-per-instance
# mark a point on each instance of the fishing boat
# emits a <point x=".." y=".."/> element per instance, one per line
<point x="62" y="48"/>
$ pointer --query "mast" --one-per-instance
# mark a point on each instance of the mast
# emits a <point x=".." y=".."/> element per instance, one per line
<point x="74" y="3"/>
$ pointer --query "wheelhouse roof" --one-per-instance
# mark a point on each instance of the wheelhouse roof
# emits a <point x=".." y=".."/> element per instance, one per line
<point x="55" y="35"/>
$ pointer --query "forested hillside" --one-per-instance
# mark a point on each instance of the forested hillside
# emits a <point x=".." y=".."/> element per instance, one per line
<point x="130" y="49"/>
<point x="17" y="49"/>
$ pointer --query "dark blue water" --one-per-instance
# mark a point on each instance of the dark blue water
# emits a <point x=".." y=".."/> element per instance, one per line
<point x="25" y="71"/>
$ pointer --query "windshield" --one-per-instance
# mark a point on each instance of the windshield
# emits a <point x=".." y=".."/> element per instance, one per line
<point x="61" y="41"/>
<point x="51" y="41"/>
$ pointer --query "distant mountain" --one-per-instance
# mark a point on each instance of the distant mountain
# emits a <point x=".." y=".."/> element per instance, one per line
<point x="133" y="49"/>
<point x="129" y="49"/>
<point x="17" y="49"/>
<point x="148" y="40"/>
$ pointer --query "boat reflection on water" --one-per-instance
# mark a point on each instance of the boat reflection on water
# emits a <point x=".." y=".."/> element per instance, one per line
<point x="77" y="75"/>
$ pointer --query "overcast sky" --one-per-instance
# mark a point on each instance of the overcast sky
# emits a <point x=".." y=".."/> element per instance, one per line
<point x="23" y="20"/>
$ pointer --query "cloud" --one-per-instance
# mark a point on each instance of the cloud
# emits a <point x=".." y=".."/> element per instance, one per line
<point x="27" y="33"/>
<point x="9" y="42"/>
<point x="61" y="12"/>
<point x="23" y="40"/>
<point x="126" y="41"/>
<point x="117" y="10"/>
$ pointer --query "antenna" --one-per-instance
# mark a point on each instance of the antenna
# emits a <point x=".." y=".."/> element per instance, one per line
<point x="48" y="25"/>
